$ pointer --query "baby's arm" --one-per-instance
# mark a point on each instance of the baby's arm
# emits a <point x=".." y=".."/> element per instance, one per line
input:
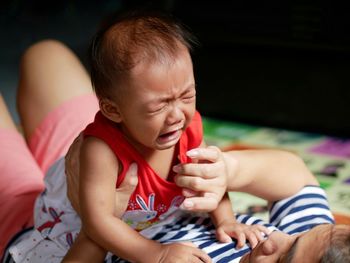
<point x="227" y="226"/>
<point x="84" y="250"/>
<point x="98" y="174"/>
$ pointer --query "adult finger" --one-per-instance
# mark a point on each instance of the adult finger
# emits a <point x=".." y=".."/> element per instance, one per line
<point x="203" y="170"/>
<point x="200" y="204"/>
<point x="126" y="188"/>
<point x="197" y="183"/>
<point x="72" y="157"/>
<point x="211" y="153"/>
<point x="74" y="149"/>
<point x="189" y="193"/>
<point x="190" y="182"/>
<point x="72" y="172"/>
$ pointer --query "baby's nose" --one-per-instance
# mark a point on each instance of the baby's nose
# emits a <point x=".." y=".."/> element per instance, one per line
<point x="175" y="116"/>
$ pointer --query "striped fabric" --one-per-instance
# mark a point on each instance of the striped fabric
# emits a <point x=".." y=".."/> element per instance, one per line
<point x="299" y="213"/>
<point x="302" y="211"/>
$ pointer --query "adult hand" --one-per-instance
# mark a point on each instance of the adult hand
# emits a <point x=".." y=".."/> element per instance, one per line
<point x="72" y="172"/>
<point x="123" y="192"/>
<point x="205" y="180"/>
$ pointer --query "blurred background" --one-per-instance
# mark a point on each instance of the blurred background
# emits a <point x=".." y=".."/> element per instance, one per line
<point x="282" y="64"/>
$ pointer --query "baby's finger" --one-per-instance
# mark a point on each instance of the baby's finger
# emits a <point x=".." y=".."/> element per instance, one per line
<point x="253" y="240"/>
<point x="264" y="229"/>
<point x="241" y="240"/>
<point x="222" y="236"/>
<point x="260" y="231"/>
<point x="258" y="235"/>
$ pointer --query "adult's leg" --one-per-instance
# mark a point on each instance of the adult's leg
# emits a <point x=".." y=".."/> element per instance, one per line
<point x="20" y="179"/>
<point x="50" y="74"/>
<point x="55" y="100"/>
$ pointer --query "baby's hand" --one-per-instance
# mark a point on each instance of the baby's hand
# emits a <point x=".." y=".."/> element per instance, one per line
<point x="177" y="252"/>
<point x="241" y="232"/>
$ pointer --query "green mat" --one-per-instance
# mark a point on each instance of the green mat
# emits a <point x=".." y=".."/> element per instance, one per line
<point x="327" y="157"/>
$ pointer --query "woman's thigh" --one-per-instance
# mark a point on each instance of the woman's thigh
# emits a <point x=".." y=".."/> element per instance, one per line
<point x="21" y="180"/>
<point x="55" y="100"/>
<point x="50" y="74"/>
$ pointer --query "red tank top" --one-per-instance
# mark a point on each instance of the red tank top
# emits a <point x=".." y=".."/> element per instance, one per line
<point x="154" y="197"/>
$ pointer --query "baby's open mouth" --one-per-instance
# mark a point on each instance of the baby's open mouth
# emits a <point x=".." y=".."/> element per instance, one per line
<point x="168" y="134"/>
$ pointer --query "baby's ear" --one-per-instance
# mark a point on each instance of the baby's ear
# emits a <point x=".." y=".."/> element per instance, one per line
<point x="110" y="110"/>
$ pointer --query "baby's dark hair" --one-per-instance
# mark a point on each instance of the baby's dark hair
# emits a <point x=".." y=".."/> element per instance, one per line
<point x="131" y="38"/>
<point x="338" y="250"/>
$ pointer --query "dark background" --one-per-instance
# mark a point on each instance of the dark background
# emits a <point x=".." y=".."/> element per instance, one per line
<point x="275" y="63"/>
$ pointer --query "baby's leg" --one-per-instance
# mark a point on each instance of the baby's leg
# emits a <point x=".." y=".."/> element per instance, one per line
<point x="20" y="179"/>
<point x="55" y="100"/>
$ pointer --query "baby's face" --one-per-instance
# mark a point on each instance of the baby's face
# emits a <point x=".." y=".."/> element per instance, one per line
<point x="158" y="103"/>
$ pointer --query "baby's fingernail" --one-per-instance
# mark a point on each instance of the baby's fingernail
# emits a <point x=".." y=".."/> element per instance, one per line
<point x="192" y="153"/>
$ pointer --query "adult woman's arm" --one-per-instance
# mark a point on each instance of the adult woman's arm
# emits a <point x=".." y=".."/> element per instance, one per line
<point x="269" y="174"/>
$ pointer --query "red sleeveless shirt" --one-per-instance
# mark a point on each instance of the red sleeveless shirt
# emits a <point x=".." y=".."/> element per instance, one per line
<point x="154" y="197"/>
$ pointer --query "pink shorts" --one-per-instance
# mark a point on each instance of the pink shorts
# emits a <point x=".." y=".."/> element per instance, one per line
<point x="22" y="167"/>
